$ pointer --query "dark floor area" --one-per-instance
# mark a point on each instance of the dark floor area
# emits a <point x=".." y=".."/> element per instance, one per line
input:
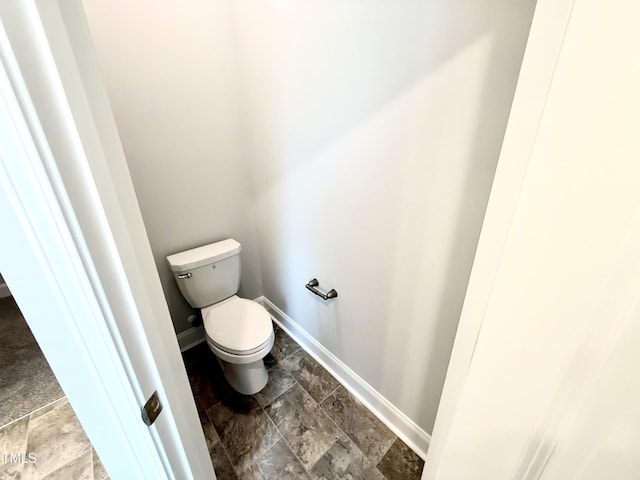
<point x="302" y="425"/>
<point x="26" y="380"/>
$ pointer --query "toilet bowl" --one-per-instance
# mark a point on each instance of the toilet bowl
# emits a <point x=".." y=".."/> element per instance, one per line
<point x="238" y="331"/>
<point x="240" y="334"/>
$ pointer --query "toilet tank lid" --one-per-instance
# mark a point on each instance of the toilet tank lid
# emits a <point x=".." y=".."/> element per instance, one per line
<point x="204" y="255"/>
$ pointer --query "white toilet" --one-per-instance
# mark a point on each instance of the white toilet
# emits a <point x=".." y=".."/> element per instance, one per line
<point x="239" y="331"/>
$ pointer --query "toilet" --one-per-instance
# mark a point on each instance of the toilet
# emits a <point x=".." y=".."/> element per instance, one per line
<point x="238" y="331"/>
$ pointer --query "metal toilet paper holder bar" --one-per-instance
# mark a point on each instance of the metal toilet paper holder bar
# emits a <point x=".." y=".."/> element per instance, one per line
<point x="313" y="283"/>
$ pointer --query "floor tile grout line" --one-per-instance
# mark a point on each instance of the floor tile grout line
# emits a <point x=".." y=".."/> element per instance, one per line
<point x="235" y="470"/>
<point x="325" y="412"/>
<point x="295" y="382"/>
<point x="292" y="341"/>
<point x="323" y="455"/>
<point x="285" y="440"/>
<point x="224" y="449"/>
<point x="364" y="455"/>
<point x="331" y="419"/>
<point x="296" y="379"/>
<point x="290" y="354"/>
<point x="315" y="362"/>
<point x="214" y="405"/>
<point x="31" y="413"/>
<point x="330" y="393"/>
<point x="368" y="411"/>
<point x="387" y="451"/>
<point x="320" y="404"/>
<point x="84" y="452"/>
<point x="26" y="440"/>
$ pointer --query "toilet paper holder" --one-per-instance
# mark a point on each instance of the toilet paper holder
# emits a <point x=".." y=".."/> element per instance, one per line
<point x="313" y="283"/>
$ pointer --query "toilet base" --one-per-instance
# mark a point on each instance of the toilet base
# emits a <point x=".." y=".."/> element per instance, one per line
<point x="246" y="378"/>
<point x="247" y="374"/>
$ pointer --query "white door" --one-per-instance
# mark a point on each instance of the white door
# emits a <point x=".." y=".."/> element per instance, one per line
<point x="75" y="253"/>
<point x="552" y="389"/>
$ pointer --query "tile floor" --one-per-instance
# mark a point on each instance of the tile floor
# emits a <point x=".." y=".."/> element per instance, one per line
<point x="302" y="425"/>
<point x="62" y="450"/>
<point x="35" y="417"/>
<point x="26" y="380"/>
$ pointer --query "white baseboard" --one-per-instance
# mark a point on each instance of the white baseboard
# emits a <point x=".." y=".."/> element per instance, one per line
<point x="190" y="338"/>
<point x="405" y="428"/>
<point x="4" y="290"/>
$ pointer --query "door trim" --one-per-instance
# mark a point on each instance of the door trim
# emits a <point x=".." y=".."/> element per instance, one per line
<point x="546" y="36"/>
<point x="50" y="282"/>
<point x="76" y="255"/>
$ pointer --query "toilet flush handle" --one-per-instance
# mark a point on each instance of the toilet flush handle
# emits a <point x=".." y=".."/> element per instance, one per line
<point x="184" y="275"/>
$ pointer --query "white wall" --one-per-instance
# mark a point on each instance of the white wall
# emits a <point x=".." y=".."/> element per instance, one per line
<point x="359" y="139"/>
<point x="169" y="73"/>
<point x="373" y="134"/>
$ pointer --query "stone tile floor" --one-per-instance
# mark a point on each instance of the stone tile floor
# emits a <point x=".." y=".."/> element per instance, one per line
<point x="302" y="425"/>
<point x="35" y="417"/>
<point x="26" y="380"/>
<point x="57" y="442"/>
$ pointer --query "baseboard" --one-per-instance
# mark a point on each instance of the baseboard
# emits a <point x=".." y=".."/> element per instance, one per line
<point x="405" y="428"/>
<point x="190" y="338"/>
<point x="4" y="290"/>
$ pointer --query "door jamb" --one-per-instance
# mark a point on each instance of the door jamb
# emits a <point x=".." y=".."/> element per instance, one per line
<point x="79" y="262"/>
<point x="545" y="40"/>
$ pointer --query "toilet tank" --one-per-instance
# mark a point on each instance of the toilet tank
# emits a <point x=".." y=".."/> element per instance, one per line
<point x="207" y="274"/>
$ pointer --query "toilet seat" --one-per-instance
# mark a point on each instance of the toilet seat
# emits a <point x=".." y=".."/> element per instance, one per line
<point x="238" y="326"/>
<point x="240" y="352"/>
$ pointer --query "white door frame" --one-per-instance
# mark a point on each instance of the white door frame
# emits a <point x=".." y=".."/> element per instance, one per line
<point x="536" y="74"/>
<point x="75" y="253"/>
<point x="573" y="421"/>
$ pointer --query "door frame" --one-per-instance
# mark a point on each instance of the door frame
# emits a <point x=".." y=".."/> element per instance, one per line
<point x="75" y="252"/>
<point x="544" y="44"/>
